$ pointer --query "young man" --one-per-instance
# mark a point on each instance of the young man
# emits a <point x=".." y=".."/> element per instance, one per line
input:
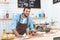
<point x="22" y="22"/>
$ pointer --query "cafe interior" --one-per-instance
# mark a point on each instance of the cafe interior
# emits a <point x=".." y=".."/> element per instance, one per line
<point x="45" y="16"/>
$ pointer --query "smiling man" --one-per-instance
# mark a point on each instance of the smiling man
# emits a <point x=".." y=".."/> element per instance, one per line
<point x="22" y="22"/>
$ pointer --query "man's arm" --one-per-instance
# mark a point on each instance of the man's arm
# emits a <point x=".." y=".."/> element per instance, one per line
<point x="16" y="33"/>
<point x="14" y="24"/>
<point x="27" y="31"/>
<point x="31" y="27"/>
<point x="14" y="21"/>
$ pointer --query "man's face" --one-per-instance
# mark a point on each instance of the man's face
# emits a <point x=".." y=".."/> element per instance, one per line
<point x="26" y="12"/>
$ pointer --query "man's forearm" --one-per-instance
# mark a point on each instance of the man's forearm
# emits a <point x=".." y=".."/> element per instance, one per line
<point x="15" y="32"/>
<point x="27" y="31"/>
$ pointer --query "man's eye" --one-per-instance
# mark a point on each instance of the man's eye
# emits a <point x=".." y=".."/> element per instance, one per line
<point x="27" y="11"/>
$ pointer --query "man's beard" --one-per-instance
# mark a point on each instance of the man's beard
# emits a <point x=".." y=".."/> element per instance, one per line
<point x="25" y="15"/>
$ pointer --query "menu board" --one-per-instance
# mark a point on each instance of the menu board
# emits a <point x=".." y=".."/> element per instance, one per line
<point x="56" y="1"/>
<point x="29" y="3"/>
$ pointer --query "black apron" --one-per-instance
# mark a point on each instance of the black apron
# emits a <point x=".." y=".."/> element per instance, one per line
<point x="21" y="28"/>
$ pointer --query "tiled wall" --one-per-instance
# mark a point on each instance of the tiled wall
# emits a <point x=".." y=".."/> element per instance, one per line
<point x="12" y="10"/>
<point x="46" y="6"/>
<point x="5" y="24"/>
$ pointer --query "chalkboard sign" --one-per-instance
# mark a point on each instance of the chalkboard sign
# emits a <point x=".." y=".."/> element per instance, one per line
<point x="56" y="1"/>
<point x="29" y="3"/>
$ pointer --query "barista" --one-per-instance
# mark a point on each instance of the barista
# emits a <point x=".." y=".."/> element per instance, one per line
<point x="22" y="22"/>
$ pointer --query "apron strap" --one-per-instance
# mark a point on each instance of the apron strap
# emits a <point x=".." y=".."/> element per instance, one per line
<point x="27" y="20"/>
<point x="20" y="18"/>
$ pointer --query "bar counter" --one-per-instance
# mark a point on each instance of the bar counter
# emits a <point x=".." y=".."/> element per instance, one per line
<point x="43" y="36"/>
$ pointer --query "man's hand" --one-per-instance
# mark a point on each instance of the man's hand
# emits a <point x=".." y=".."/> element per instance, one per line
<point x="21" y="36"/>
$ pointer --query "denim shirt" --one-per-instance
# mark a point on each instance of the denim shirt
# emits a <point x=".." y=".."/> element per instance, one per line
<point x="16" y="19"/>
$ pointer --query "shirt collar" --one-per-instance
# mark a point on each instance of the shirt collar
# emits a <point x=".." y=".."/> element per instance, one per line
<point x="22" y="15"/>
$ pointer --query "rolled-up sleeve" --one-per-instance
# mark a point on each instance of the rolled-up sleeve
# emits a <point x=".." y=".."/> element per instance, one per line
<point x="14" y="21"/>
<point x="31" y="27"/>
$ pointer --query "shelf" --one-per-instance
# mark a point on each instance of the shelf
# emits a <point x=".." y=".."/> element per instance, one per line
<point x="39" y="18"/>
<point x="4" y="2"/>
<point x="55" y="28"/>
<point x="6" y="19"/>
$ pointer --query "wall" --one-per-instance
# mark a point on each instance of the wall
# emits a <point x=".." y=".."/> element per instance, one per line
<point x="12" y="9"/>
<point x="51" y="10"/>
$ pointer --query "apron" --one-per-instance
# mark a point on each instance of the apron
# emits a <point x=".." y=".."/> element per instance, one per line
<point x="21" y="28"/>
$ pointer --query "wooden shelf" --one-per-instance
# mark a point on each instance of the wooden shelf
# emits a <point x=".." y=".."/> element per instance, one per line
<point x="55" y="28"/>
<point x="6" y="19"/>
<point x="4" y="2"/>
<point x="39" y="18"/>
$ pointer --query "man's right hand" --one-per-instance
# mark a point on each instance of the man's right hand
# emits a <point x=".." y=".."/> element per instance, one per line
<point x="21" y="36"/>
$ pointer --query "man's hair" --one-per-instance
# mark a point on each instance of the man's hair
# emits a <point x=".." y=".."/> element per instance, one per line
<point x="26" y="8"/>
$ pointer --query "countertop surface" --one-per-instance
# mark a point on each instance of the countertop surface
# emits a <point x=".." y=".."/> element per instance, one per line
<point x="43" y="36"/>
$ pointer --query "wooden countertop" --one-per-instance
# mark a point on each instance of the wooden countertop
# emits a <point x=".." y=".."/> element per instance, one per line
<point x="50" y="36"/>
<point x="43" y="36"/>
<point x="5" y="18"/>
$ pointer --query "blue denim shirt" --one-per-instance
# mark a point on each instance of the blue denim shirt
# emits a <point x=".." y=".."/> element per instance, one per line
<point x="16" y="19"/>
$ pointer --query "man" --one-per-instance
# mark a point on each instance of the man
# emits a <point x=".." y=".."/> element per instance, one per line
<point x="22" y="22"/>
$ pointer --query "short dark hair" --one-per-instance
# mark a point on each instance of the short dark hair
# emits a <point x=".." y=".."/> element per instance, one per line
<point x="27" y="8"/>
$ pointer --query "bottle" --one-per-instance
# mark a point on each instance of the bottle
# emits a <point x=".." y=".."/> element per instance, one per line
<point x="52" y="22"/>
<point x="43" y="15"/>
<point x="7" y="14"/>
<point x="4" y="32"/>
